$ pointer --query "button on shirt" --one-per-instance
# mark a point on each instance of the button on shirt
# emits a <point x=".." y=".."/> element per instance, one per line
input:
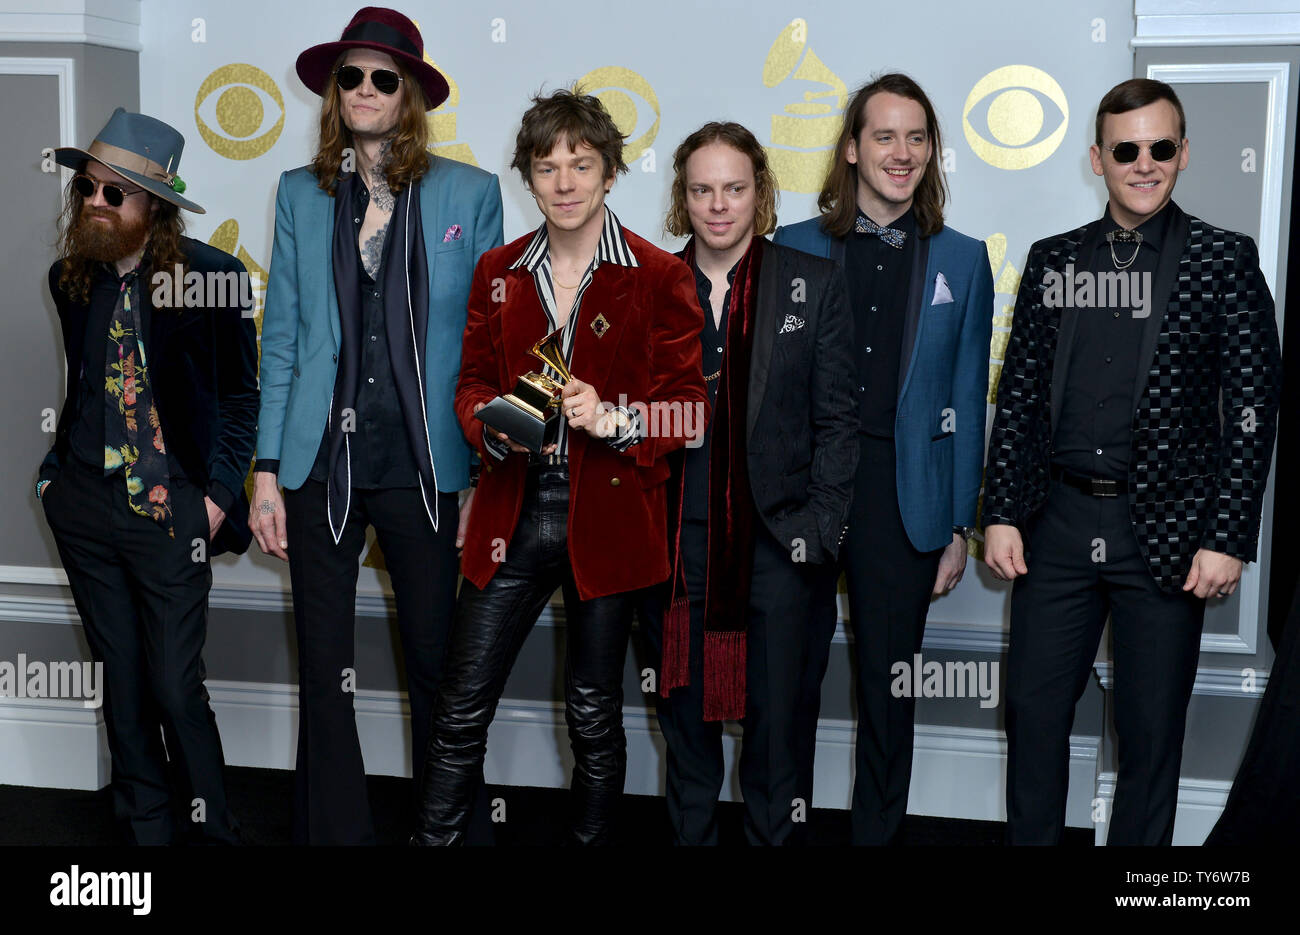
<point x="713" y="342"/>
<point x="536" y="258"/>
<point x="878" y="278"/>
<point x="1095" y="433"/>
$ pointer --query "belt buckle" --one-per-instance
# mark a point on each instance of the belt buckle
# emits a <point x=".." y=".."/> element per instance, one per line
<point x="1104" y="487"/>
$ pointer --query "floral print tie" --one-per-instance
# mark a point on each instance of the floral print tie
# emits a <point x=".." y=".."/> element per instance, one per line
<point x="126" y="380"/>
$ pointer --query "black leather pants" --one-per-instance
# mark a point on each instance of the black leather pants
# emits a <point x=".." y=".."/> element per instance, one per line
<point x="489" y="630"/>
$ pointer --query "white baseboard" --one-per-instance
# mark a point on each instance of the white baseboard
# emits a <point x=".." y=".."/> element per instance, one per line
<point x="957" y="772"/>
<point x="1200" y="803"/>
<point x="53" y="744"/>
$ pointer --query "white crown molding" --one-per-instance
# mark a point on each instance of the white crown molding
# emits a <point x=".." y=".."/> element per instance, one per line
<point x="1215" y="23"/>
<point x="111" y="23"/>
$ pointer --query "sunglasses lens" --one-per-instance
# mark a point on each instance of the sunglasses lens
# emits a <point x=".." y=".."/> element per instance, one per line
<point x="113" y="195"/>
<point x="84" y="186"/>
<point x="349" y="76"/>
<point x="1163" y="150"/>
<point x="385" y="81"/>
<point x="1125" y="153"/>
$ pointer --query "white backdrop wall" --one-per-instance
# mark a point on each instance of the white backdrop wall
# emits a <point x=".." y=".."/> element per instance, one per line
<point x="1015" y="84"/>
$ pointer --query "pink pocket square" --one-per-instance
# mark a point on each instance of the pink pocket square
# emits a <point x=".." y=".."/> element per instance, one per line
<point x="453" y="233"/>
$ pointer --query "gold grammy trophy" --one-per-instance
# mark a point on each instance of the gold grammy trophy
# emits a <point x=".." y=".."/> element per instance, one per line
<point x="530" y="414"/>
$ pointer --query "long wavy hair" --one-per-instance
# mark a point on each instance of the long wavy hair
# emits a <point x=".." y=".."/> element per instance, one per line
<point x="838" y="200"/>
<point x="162" y="251"/>
<point x="409" y="157"/>
<point x="678" y="223"/>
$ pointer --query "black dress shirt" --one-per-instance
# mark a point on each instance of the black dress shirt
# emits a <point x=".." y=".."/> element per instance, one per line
<point x="713" y="342"/>
<point x="878" y="277"/>
<point x="1095" y="433"/>
<point x="380" y="449"/>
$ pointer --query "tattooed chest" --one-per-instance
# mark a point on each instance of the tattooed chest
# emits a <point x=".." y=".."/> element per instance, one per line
<point x="370" y="240"/>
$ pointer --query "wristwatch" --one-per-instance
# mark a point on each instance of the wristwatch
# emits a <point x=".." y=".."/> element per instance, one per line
<point x="964" y="531"/>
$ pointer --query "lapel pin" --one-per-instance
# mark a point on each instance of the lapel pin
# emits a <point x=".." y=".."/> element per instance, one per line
<point x="600" y="324"/>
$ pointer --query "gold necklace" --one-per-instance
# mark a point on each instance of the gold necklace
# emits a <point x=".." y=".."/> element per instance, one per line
<point x="564" y="285"/>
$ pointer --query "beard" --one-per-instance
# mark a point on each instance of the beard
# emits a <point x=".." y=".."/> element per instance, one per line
<point x="109" y="240"/>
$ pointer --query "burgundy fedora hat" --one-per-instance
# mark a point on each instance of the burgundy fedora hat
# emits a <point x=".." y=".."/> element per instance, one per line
<point x="383" y="30"/>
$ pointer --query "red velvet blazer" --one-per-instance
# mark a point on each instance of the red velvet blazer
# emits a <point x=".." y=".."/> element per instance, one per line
<point x="650" y="353"/>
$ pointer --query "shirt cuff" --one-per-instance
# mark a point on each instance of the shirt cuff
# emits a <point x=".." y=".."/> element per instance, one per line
<point x="631" y="433"/>
<point x="222" y="497"/>
<point x="267" y="466"/>
<point x="494" y="446"/>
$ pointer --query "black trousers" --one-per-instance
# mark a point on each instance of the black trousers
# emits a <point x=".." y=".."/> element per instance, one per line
<point x="491" y="626"/>
<point x="890" y="584"/>
<point x="782" y="641"/>
<point x="330" y="803"/>
<point x="143" y="601"/>
<point x="1058" y="611"/>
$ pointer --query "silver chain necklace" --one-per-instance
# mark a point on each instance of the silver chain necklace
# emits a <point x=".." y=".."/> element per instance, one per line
<point x="1124" y="236"/>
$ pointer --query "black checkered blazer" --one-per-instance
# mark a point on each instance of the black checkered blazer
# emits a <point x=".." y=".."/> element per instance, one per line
<point x="1196" y="480"/>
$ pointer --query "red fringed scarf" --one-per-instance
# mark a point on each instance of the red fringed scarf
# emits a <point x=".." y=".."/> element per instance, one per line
<point x="731" y="522"/>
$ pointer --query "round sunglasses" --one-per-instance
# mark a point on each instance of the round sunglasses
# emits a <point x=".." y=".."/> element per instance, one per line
<point x="384" y="80"/>
<point x="1129" y="150"/>
<point x="114" y="194"/>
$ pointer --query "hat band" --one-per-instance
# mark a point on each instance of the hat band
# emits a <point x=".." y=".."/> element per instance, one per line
<point x="378" y="32"/>
<point x="116" y="155"/>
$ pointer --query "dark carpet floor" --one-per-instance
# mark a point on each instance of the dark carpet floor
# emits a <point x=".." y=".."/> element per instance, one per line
<point x="262" y="798"/>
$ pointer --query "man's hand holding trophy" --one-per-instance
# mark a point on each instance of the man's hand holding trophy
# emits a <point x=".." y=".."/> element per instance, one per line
<point x="527" y="419"/>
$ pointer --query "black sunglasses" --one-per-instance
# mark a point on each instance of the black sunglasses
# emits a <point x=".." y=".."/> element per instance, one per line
<point x="1129" y="150"/>
<point x="351" y="76"/>
<point x="86" y="185"/>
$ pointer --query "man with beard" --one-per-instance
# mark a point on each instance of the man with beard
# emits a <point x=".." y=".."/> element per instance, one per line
<point x="375" y="246"/>
<point x="145" y="479"/>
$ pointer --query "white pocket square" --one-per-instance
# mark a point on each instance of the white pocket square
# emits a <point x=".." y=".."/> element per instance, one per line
<point x="942" y="293"/>
<point x="792" y="323"/>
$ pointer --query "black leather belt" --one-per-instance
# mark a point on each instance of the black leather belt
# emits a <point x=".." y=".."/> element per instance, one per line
<point x="1093" y="486"/>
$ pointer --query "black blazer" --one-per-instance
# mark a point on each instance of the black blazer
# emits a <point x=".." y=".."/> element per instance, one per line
<point x="802" y="420"/>
<point x="1196" y="481"/>
<point x="203" y="362"/>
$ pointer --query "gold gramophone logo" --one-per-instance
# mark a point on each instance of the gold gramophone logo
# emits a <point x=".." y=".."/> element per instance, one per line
<point x="442" y="120"/>
<point x="1014" y="116"/>
<point x="610" y="85"/>
<point x="805" y="134"/>
<point x="240" y="112"/>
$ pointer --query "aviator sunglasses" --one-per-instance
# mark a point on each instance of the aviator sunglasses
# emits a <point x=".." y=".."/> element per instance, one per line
<point x="351" y="76"/>
<point x="1128" y="151"/>
<point x="86" y="186"/>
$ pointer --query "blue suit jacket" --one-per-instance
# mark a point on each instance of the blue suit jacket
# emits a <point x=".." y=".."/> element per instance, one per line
<point x="943" y="382"/>
<point x="300" y="324"/>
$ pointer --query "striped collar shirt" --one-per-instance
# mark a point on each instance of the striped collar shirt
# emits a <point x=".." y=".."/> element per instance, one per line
<point x="536" y="258"/>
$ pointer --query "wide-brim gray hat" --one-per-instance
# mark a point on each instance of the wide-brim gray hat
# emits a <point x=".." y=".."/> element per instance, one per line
<point x="141" y="149"/>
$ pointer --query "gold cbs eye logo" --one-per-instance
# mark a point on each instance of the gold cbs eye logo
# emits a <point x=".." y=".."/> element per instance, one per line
<point x="610" y="85"/>
<point x="1014" y="116"/>
<point x="240" y="111"/>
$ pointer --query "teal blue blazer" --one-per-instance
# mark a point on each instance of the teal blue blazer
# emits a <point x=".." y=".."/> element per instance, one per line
<point x="300" y="323"/>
